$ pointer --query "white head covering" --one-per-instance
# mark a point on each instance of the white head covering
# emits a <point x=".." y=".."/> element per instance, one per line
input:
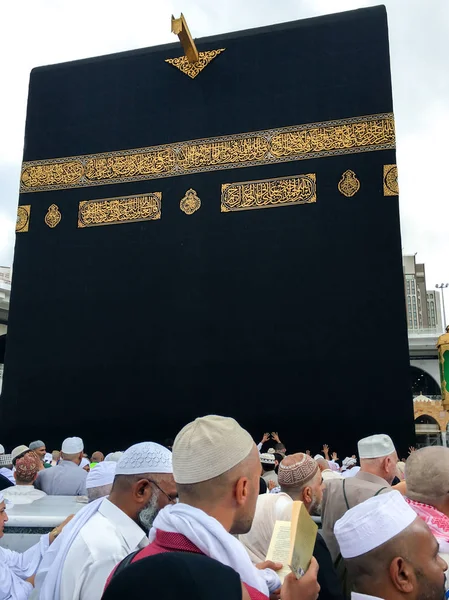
<point x="48" y="458"/>
<point x="84" y="462"/>
<point x="2" y="499"/>
<point x="348" y="462"/>
<point x="36" y="444"/>
<point x="146" y="457"/>
<point x="267" y="459"/>
<point x="372" y="523"/>
<point x="2" y="449"/>
<point x="18" y="450"/>
<point x="318" y="456"/>
<point x="269" y="509"/>
<point x="73" y="445"/>
<point x="208" y="447"/>
<point x="101" y="474"/>
<point x="376" y="446"/>
<point x="114" y="456"/>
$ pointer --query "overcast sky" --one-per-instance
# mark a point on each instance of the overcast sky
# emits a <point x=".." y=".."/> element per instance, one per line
<point x="40" y="32"/>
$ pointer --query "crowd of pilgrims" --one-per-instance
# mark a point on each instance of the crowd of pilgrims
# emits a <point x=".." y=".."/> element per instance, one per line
<point x="195" y="519"/>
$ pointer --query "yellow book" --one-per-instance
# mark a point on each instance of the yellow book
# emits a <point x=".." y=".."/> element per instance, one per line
<point x="293" y="541"/>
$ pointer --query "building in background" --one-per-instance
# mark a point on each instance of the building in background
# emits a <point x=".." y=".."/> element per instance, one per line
<point x="5" y="293"/>
<point x="423" y="307"/>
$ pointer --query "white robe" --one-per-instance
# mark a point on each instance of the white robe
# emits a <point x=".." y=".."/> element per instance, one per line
<point x="15" y="567"/>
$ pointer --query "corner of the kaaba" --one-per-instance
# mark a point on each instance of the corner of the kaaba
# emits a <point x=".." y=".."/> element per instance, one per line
<point x="177" y="231"/>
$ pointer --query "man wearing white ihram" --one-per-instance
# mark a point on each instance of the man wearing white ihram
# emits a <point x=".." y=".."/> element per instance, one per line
<point x="108" y="529"/>
<point x="17" y="570"/>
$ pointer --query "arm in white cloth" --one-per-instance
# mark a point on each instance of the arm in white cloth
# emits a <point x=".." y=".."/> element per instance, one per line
<point x="15" y="567"/>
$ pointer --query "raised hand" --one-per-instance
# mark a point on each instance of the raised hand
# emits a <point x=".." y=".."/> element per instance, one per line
<point x="308" y="452"/>
<point x="275" y="436"/>
<point x="411" y="449"/>
<point x="326" y="451"/>
<point x="266" y="437"/>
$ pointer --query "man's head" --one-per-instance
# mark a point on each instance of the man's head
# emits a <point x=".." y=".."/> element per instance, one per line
<point x="217" y="468"/>
<point x="268" y="462"/>
<point x="73" y="450"/>
<point x="27" y="468"/>
<point x="300" y="477"/>
<point x="389" y="551"/>
<point x="19" y="451"/>
<point x="322" y="463"/>
<point x="97" y="457"/>
<point x="56" y="455"/>
<point x="100" y="479"/>
<point x="3" y="515"/>
<point x="378" y="456"/>
<point x="427" y="476"/>
<point x="38" y="447"/>
<point x="144" y="482"/>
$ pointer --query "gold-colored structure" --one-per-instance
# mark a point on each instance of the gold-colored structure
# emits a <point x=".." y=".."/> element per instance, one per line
<point x="23" y="218"/>
<point x="391" y="185"/>
<point x="53" y="216"/>
<point x="190" y="203"/>
<point x="348" y="185"/>
<point x="443" y="360"/>
<point x="113" y="211"/>
<point x="423" y="406"/>
<point x="179" y="27"/>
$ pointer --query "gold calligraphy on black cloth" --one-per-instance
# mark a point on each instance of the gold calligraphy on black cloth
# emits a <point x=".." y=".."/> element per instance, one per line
<point x="112" y="211"/>
<point x="300" y="142"/>
<point x="268" y="193"/>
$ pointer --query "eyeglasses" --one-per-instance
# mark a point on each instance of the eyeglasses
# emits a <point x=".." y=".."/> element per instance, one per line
<point x="171" y="499"/>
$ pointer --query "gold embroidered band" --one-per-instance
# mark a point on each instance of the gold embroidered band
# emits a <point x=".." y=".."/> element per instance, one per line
<point x="23" y="218"/>
<point x="391" y="186"/>
<point x="268" y="193"/>
<point x="129" y="209"/>
<point x="300" y="142"/>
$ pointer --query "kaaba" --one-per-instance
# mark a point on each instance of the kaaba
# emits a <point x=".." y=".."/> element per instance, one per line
<point x="216" y="234"/>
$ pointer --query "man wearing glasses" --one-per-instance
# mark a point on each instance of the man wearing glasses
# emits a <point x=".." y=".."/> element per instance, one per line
<point x="109" y="529"/>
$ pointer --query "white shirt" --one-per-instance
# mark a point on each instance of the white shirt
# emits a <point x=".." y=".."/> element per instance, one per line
<point x="357" y="596"/>
<point x="101" y="544"/>
<point x="23" y="494"/>
<point x="15" y="567"/>
<point x="350" y="472"/>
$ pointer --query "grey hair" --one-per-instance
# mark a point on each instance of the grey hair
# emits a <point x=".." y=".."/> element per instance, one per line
<point x="99" y="492"/>
<point x="427" y="475"/>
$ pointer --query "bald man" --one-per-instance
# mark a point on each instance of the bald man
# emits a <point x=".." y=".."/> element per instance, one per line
<point x="427" y="483"/>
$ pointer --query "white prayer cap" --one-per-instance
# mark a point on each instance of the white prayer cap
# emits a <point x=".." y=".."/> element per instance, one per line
<point x="84" y="462"/>
<point x="73" y="445"/>
<point x="18" y="451"/>
<point x="2" y="499"/>
<point x="114" y="456"/>
<point x="208" y="447"/>
<point x="372" y="523"/>
<point x="376" y="446"/>
<point x="36" y="444"/>
<point x="267" y="459"/>
<point x="146" y="457"/>
<point x="318" y="456"/>
<point x="2" y="449"/>
<point x="271" y="451"/>
<point x="349" y="462"/>
<point x="101" y="474"/>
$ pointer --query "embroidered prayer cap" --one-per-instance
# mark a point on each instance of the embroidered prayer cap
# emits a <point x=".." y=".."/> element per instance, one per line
<point x="2" y="449"/>
<point x="146" y="457"/>
<point x="101" y="474"/>
<point x="372" y="523"/>
<point x="376" y="446"/>
<point x="27" y="467"/>
<point x="296" y="470"/>
<point x="72" y="445"/>
<point x="114" y="456"/>
<point x="19" y="451"/>
<point x="208" y="447"/>
<point x="349" y="462"/>
<point x="267" y="459"/>
<point x="37" y="444"/>
<point x="271" y="451"/>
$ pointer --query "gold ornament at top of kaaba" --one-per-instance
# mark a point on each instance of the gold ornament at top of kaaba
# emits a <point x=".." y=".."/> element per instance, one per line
<point x="190" y="203"/>
<point x="349" y="185"/>
<point x="193" y="62"/>
<point x="53" y="216"/>
<point x="391" y="185"/>
<point x="23" y="218"/>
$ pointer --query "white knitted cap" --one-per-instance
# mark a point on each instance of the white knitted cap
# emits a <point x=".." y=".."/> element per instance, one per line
<point x="208" y="447"/>
<point x="376" y="446"/>
<point x="146" y="457"/>
<point x="372" y="523"/>
<point x="72" y="445"/>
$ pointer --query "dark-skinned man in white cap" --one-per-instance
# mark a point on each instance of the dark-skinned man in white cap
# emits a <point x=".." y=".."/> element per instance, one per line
<point x="389" y="552"/>
<point x="216" y="467"/>
<point x="378" y="461"/>
<point x="108" y="529"/>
